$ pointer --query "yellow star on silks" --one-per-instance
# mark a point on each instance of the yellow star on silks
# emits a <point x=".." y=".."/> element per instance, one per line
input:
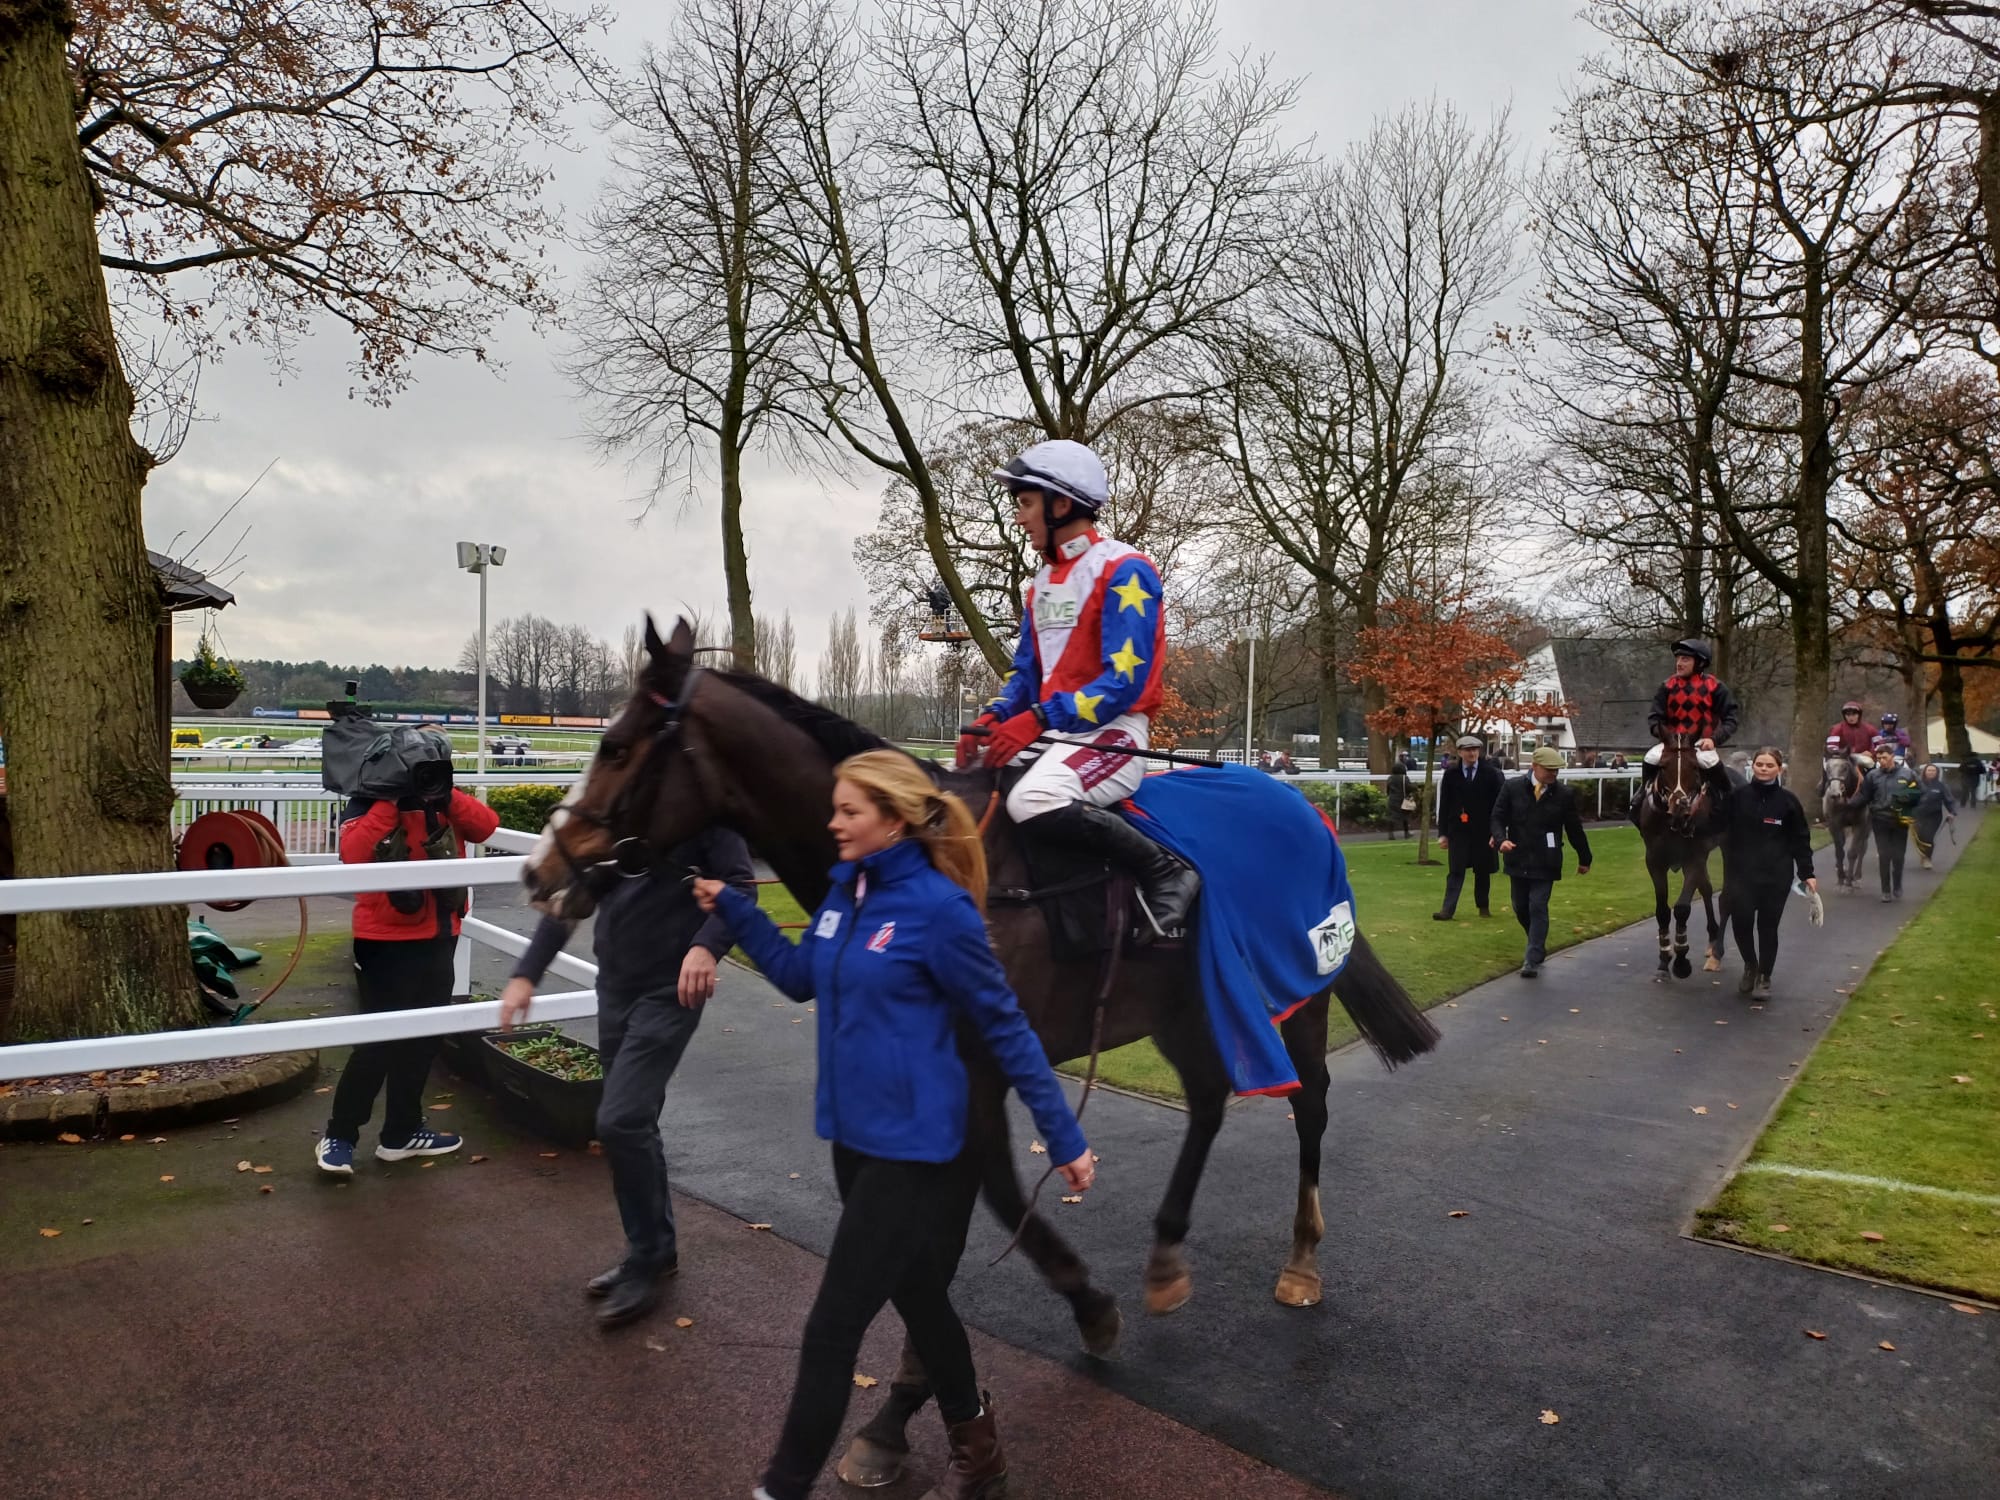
<point x="1126" y="660"/>
<point x="1132" y="595"/>
<point x="1086" y="707"/>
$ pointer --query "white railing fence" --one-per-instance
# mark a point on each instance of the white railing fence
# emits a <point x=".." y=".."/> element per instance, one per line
<point x="98" y="892"/>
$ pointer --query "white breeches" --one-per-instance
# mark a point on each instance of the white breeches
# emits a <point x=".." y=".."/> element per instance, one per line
<point x="1093" y="772"/>
<point x="1708" y="760"/>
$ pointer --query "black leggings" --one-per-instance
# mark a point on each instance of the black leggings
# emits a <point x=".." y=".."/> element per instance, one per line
<point x="392" y="975"/>
<point x="1892" y="842"/>
<point x="1754" y="913"/>
<point x="897" y="1228"/>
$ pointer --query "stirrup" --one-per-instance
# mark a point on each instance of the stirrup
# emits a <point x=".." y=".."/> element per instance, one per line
<point x="1146" y="911"/>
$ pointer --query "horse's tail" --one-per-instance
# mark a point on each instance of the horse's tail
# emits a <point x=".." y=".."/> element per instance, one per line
<point x="1381" y="1008"/>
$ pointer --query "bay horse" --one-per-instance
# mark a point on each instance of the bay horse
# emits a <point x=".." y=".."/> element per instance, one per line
<point x="1680" y="830"/>
<point x="698" y="745"/>
<point x="1847" y="823"/>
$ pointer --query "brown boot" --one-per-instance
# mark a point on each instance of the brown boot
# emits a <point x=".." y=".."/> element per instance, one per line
<point x="978" y="1469"/>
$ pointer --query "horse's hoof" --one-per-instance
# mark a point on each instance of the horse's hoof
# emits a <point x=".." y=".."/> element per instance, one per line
<point x="1298" y="1288"/>
<point x="868" y="1465"/>
<point x="1100" y="1334"/>
<point x="1682" y="968"/>
<point x="1711" y="965"/>
<point x="1169" y="1296"/>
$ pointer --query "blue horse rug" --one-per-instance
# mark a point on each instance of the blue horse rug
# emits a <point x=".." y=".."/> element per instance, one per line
<point x="1275" y="922"/>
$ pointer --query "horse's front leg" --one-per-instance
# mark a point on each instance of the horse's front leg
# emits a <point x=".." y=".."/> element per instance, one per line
<point x="1662" y="914"/>
<point x="1185" y="1040"/>
<point x="1304" y="1032"/>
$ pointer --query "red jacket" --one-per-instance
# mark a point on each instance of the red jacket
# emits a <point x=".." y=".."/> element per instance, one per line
<point x="374" y="917"/>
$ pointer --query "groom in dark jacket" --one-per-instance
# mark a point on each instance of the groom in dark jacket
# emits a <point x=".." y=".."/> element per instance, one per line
<point x="1465" y="811"/>
<point x="1529" y="821"/>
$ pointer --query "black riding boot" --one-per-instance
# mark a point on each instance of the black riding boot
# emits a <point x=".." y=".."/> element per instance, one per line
<point x="1167" y="883"/>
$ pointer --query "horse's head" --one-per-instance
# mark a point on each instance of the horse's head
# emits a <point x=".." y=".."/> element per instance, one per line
<point x="642" y="792"/>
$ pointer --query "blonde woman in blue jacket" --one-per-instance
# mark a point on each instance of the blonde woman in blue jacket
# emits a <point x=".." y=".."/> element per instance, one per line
<point x="895" y="956"/>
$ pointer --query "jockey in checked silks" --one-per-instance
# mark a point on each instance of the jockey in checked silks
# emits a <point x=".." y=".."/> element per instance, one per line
<point x="1087" y="674"/>
<point x="1692" y="704"/>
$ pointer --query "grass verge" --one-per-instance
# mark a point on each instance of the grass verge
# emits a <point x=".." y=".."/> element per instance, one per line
<point x="1395" y="897"/>
<point x="1902" y="1089"/>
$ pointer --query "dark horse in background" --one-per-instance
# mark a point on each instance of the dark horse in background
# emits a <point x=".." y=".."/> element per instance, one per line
<point x="1845" y="821"/>
<point x="1681" y="829"/>
<point x="696" y="746"/>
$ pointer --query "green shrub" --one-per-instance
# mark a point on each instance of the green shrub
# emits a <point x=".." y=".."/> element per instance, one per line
<point x="525" y="808"/>
<point x="1359" y="802"/>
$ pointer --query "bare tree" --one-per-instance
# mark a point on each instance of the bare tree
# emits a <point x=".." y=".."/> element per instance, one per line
<point x="1351" y="401"/>
<point x="842" y="671"/>
<point x="1059" y="200"/>
<point x="778" y="649"/>
<point x="687" y="321"/>
<point x="892" y="653"/>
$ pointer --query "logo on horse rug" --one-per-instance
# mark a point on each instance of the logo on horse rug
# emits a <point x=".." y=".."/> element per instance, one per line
<point x="1275" y="923"/>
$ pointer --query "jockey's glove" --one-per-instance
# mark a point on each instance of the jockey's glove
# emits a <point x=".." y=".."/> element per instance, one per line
<point x="1012" y="736"/>
<point x="972" y="743"/>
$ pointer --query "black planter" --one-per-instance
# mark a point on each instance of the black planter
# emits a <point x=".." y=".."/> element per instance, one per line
<point x="211" y="694"/>
<point x="557" y="1109"/>
<point x="465" y="1053"/>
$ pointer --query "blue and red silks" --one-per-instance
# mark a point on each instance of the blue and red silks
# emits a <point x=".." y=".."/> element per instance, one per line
<point x="1275" y="921"/>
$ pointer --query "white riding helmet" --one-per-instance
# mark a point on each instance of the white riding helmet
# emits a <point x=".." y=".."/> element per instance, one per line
<point x="1062" y="467"/>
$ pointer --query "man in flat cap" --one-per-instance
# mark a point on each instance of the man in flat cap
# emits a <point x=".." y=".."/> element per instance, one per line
<point x="1465" y="811"/>
<point x="1533" y="814"/>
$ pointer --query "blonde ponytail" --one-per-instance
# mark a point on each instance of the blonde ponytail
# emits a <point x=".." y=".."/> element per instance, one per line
<point x="940" y="821"/>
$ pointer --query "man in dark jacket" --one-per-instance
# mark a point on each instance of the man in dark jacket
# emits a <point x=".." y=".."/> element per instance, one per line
<point x="1465" y="810"/>
<point x="656" y="957"/>
<point x="1529" y="821"/>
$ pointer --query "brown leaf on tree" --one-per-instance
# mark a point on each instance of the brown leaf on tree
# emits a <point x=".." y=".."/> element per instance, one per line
<point x="1814" y="1333"/>
<point x="51" y="1234"/>
<point x="1549" y="1418"/>
<point x="70" y="1140"/>
<point x="866" y="1382"/>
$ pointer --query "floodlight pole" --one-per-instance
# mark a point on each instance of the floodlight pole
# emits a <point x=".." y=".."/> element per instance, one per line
<point x="1250" y="695"/>
<point x="478" y="557"/>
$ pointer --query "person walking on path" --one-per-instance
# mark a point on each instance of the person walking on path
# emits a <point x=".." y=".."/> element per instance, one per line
<point x="1465" y="810"/>
<point x="1935" y="804"/>
<point x="656" y="957"/>
<point x="897" y="955"/>
<point x="403" y="947"/>
<point x="1530" y="818"/>
<point x="1888" y="792"/>
<point x="1401" y="803"/>
<point x="1767" y="843"/>
<point x="1970" y="774"/>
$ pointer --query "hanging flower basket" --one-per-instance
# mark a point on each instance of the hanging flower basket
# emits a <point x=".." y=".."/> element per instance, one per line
<point x="211" y="682"/>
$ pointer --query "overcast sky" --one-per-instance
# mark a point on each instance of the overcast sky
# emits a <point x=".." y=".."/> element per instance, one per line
<point x="349" y="557"/>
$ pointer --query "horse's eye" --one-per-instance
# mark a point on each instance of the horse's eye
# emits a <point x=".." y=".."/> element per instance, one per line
<point x="612" y="755"/>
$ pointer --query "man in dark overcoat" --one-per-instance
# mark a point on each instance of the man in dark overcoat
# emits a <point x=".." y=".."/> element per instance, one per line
<point x="1530" y="818"/>
<point x="1465" y="811"/>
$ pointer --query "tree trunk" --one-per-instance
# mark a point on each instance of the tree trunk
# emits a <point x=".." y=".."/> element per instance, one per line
<point x="1724" y="639"/>
<point x="1326" y="647"/>
<point x="1986" y="169"/>
<point x="1429" y="798"/>
<point x="1811" y="600"/>
<point x="736" y="556"/>
<point x="87" y="790"/>
<point x="1374" y="696"/>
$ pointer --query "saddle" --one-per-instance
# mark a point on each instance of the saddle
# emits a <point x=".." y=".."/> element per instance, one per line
<point x="1089" y="904"/>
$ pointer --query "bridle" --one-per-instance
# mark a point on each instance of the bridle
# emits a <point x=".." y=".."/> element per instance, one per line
<point x="632" y="857"/>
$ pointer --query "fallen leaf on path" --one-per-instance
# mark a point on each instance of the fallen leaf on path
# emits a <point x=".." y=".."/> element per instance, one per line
<point x="595" y="1148"/>
<point x="128" y="1138"/>
<point x="1961" y="1078"/>
<point x="168" y="1177"/>
<point x="440" y="1106"/>
<point x="266" y="1188"/>
<point x="1072" y="1197"/>
<point x="866" y="1382"/>
<point x="548" y="1155"/>
<point x="1872" y="1237"/>
<point x="477" y="1159"/>
<point x="1971" y="1312"/>
<point x="51" y="1234"/>
<point x="1504" y="1018"/>
<point x="262" y="1171"/>
<point x="1541" y="1041"/>
<point x="1722" y="1023"/>
<point x="1549" y="1419"/>
<point x="70" y="1140"/>
<point x="1574" y="1011"/>
<point x="1814" y="1333"/>
<point x="794" y="1176"/>
<point x="158" y="1140"/>
<point x="683" y="1322"/>
<point x="427" y="1164"/>
<point x="243" y="1166"/>
<point x="1781" y="1229"/>
<point x="1732" y="1106"/>
<point x="655" y="1345"/>
<point x="1036" y="1148"/>
<point x="1885" y="1344"/>
<point x="1458" y="1213"/>
<point x="1700" y="1109"/>
<point x="326" y="1090"/>
<point x="90" y="1221"/>
<point x="760" y="1226"/>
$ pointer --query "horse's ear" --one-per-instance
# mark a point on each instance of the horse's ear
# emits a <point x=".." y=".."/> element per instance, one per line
<point x="655" y="647"/>
<point x="682" y="643"/>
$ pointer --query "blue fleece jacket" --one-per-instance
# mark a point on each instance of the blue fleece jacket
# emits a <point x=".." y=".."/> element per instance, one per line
<point x="892" y="972"/>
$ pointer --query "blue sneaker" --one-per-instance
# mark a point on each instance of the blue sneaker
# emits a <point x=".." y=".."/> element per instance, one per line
<point x="335" y="1156"/>
<point x="423" y="1143"/>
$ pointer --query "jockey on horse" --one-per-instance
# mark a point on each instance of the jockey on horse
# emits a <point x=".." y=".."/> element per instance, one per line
<point x="1853" y="736"/>
<point x="1088" y="671"/>
<point x="1692" y="705"/>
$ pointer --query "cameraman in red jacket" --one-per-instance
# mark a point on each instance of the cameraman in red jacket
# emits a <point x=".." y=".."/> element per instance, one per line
<point x="403" y="947"/>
